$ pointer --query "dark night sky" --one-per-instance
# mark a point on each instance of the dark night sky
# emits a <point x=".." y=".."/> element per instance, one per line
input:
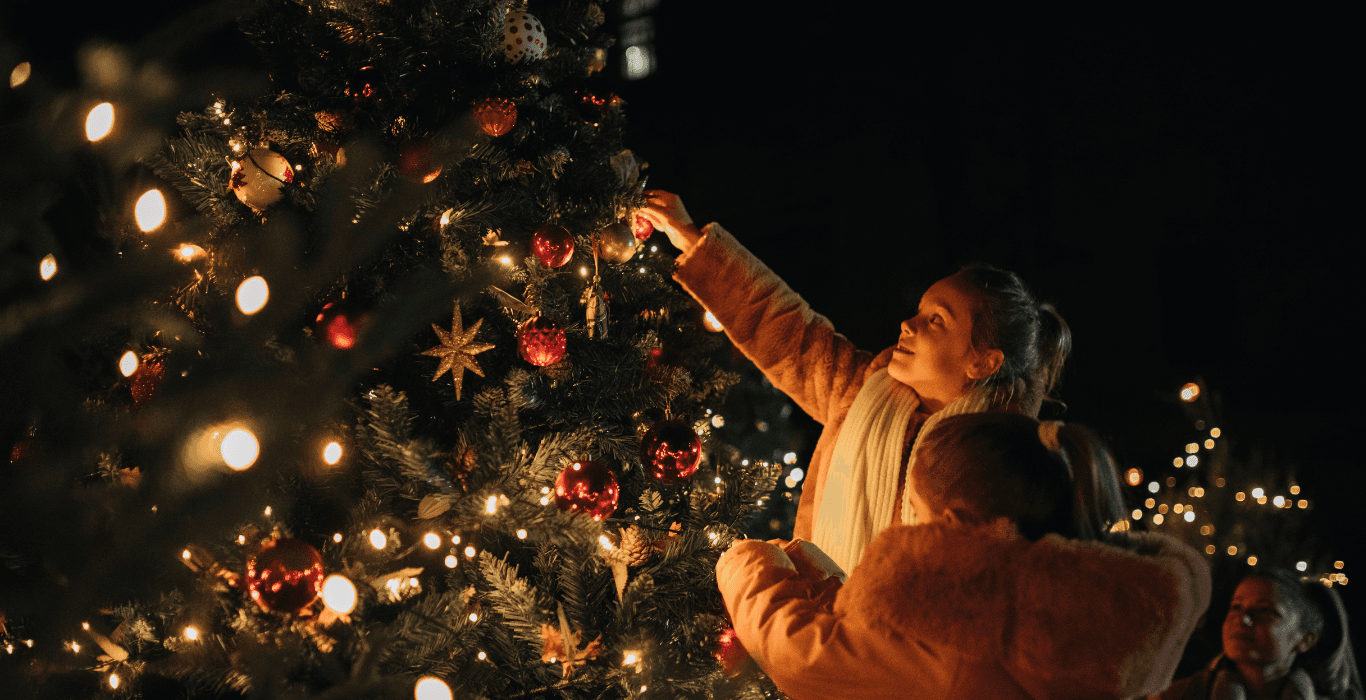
<point x="1185" y="193"/>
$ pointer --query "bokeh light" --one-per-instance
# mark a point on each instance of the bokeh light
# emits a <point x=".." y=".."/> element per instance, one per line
<point x="378" y="540"/>
<point x="240" y="448"/>
<point x="128" y="364"/>
<point x="432" y="688"/>
<point x="339" y="594"/>
<point x="150" y="211"/>
<point x="47" y="267"/>
<point x="20" y="74"/>
<point x="100" y="121"/>
<point x="252" y="295"/>
<point x="332" y="453"/>
<point x="1189" y="392"/>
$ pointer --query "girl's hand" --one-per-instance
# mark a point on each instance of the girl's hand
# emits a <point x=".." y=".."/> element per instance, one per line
<point x="664" y="210"/>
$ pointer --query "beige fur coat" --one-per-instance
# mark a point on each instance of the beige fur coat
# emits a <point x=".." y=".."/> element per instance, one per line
<point x="949" y="611"/>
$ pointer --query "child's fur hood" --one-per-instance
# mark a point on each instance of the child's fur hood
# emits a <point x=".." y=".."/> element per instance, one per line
<point x="1065" y="618"/>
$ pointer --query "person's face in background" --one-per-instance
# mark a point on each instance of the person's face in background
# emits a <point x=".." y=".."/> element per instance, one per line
<point x="1260" y="632"/>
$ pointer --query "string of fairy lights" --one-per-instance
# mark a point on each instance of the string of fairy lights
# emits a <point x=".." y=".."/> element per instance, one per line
<point x="1158" y="511"/>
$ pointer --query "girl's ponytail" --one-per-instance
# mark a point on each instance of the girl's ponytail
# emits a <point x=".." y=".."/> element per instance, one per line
<point x="1097" y="500"/>
<point x="1032" y="337"/>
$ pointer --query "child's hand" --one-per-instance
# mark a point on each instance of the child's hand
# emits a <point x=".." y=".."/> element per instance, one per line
<point x="665" y="211"/>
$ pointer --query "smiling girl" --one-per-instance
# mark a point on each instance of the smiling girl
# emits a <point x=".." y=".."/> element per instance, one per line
<point x="978" y="342"/>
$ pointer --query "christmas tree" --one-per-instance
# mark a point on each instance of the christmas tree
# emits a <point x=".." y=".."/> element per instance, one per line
<point x="369" y="384"/>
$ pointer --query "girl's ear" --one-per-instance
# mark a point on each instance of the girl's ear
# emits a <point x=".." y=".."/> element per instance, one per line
<point x="986" y="363"/>
<point x="1307" y="642"/>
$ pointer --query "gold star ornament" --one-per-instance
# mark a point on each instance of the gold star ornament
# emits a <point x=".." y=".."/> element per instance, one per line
<point x="457" y="350"/>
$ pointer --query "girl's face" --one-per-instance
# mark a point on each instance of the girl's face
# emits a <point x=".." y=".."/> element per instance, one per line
<point x="934" y="354"/>
<point x="1260" y="632"/>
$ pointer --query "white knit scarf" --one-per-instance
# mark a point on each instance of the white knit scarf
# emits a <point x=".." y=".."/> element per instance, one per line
<point x="860" y="486"/>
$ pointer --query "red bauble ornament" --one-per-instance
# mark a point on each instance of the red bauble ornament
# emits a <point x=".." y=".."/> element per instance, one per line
<point x="540" y="341"/>
<point x="285" y="576"/>
<point x="671" y="450"/>
<point x="339" y="324"/>
<point x="417" y="161"/>
<point x="144" y="382"/>
<point x="495" y="115"/>
<point x="730" y="652"/>
<point x="642" y="227"/>
<point x="587" y="487"/>
<point x="553" y="245"/>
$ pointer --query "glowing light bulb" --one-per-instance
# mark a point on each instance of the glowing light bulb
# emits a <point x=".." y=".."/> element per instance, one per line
<point x="100" y="121"/>
<point x="606" y="543"/>
<point x="1150" y="503"/>
<point x="378" y="540"/>
<point x="1302" y="503"/>
<point x="1337" y="565"/>
<point x="451" y="561"/>
<point x="332" y="453"/>
<point x="191" y="633"/>
<point x="114" y="681"/>
<point x="185" y="555"/>
<point x="1192" y="448"/>
<point x="128" y="364"/>
<point x="1192" y="461"/>
<point x="1210" y="549"/>
<point x="1301" y="566"/>
<point x="505" y="260"/>
<point x="1252" y="561"/>
<point x="432" y="540"/>
<point x="339" y="593"/>
<point x="20" y="74"/>
<point x="252" y="295"/>
<point x="150" y="211"/>
<point x="1134" y="476"/>
<point x="491" y="505"/>
<point x="791" y="458"/>
<point x="1189" y="392"/>
<point x="1137" y="514"/>
<point x="1189" y="516"/>
<point x="474" y="617"/>
<point x="545" y="500"/>
<point x="189" y="251"/>
<point x="1153" y="487"/>
<point x="1232" y="551"/>
<point x="1294" y="489"/>
<point x="1157" y="519"/>
<point x="470" y="552"/>
<point x="521" y="534"/>
<point x="1177" y="462"/>
<point x="75" y="647"/>
<point x="455" y="539"/>
<point x="240" y="449"/>
<point x="1239" y="496"/>
<point x="1278" y="501"/>
<point x="1209" y="444"/>
<point x="711" y="323"/>
<point x="483" y="656"/>
<point x="1214" y="432"/>
<point x="432" y="688"/>
<point x="1207" y="530"/>
<point x="1257" y="492"/>
<point x="47" y="267"/>
<point x="631" y="657"/>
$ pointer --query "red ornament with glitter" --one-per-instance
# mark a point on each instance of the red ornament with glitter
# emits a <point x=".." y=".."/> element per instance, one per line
<point x="285" y="576"/>
<point x="641" y="227"/>
<point x="730" y="652"/>
<point x="495" y="115"/>
<point x="671" y="450"/>
<point x="587" y="487"/>
<point x="540" y="341"/>
<point x="340" y="324"/>
<point x="144" y="382"/>
<point x="553" y="245"/>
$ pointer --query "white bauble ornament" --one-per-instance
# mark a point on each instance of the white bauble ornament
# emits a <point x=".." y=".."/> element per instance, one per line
<point x="523" y="37"/>
<point x="258" y="178"/>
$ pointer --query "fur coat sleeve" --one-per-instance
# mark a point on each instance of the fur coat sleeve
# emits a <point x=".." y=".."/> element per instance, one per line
<point x="796" y="348"/>
<point x="940" y="611"/>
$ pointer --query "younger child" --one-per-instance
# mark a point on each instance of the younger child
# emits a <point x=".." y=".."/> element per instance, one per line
<point x="1010" y="587"/>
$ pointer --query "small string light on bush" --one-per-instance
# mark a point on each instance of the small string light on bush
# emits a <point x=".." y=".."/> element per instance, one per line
<point x="240" y="448"/>
<point x="470" y="552"/>
<point x="1190" y="392"/>
<point x="432" y="540"/>
<point x="451" y="561"/>
<point x="191" y="633"/>
<point x="332" y="452"/>
<point x="114" y="681"/>
<point x="47" y="267"/>
<point x="378" y="540"/>
<point x="186" y="252"/>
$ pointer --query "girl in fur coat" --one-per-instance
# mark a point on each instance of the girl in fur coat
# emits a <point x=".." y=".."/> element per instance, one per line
<point x="978" y="342"/>
<point x="1011" y="586"/>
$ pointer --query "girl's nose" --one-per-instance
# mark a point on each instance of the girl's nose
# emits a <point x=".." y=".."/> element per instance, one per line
<point x="906" y="328"/>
